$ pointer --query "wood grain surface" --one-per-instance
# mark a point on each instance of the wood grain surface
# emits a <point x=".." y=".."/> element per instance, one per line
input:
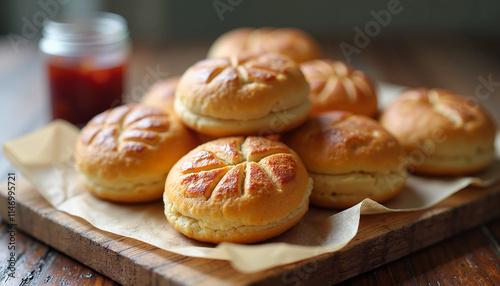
<point x="466" y="254"/>
<point x="42" y="265"/>
<point x="469" y="259"/>
<point x="381" y="239"/>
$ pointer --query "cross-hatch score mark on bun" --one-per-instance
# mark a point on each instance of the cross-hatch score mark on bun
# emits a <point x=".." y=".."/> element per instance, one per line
<point x="350" y="158"/>
<point x="242" y="95"/>
<point x="334" y="85"/>
<point x="126" y="129"/>
<point x="125" y="153"/>
<point x="237" y="189"/>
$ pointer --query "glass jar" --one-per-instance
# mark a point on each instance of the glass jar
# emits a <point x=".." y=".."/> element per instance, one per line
<point x="86" y="59"/>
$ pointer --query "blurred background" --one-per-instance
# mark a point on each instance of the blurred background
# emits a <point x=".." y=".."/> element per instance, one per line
<point x="160" y="21"/>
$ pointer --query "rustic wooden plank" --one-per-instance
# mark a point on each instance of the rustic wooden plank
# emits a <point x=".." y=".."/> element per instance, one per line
<point x="69" y="273"/>
<point x="381" y="239"/>
<point x="461" y="260"/>
<point x="38" y="264"/>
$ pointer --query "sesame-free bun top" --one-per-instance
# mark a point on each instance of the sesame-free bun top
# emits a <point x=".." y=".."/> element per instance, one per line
<point x="161" y="94"/>
<point x="443" y="133"/>
<point x="349" y="157"/>
<point x="237" y="189"/>
<point x="335" y="85"/>
<point x="125" y="153"/>
<point x="295" y="43"/>
<point x="341" y="142"/>
<point x="242" y="95"/>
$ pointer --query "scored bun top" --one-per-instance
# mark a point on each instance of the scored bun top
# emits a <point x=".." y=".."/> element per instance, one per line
<point x="340" y="142"/>
<point x="456" y="124"/>
<point x="242" y="87"/>
<point x="295" y="43"/>
<point x="235" y="181"/>
<point x="162" y="94"/>
<point x="132" y="140"/>
<point x="335" y="85"/>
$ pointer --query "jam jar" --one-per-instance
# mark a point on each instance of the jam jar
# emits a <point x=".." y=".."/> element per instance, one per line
<point x="86" y="58"/>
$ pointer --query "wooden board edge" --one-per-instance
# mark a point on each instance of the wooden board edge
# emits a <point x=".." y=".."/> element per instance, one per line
<point x="316" y="270"/>
<point x="77" y="242"/>
<point x="393" y="245"/>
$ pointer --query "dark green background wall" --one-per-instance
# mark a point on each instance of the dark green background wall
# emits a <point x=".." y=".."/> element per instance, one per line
<point x="155" y="20"/>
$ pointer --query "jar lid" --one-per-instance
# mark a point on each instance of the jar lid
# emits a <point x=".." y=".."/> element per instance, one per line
<point x="70" y="34"/>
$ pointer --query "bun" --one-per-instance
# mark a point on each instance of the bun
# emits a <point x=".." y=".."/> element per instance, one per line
<point x="295" y="43"/>
<point x="243" y="95"/>
<point x="337" y="86"/>
<point x="125" y="153"/>
<point x="237" y="189"/>
<point x="161" y="94"/>
<point x="350" y="158"/>
<point x="442" y="133"/>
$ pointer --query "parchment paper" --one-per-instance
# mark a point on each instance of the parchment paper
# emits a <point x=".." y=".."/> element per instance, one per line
<point x="45" y="158"/>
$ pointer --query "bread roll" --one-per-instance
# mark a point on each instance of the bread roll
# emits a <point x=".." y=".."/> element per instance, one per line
<point x="125" y="153"/>
<point x="334" y="85"/>
<point x="295" y="43"/>
<point x="243" y="95"/>
<point x="162" y="94"/>
<point x="349" y="157"/>
<point x="237" y="189"/>
<point x="442" y="133"/>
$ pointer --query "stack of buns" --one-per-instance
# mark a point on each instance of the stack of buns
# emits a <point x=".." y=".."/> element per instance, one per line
<point x="243" y="141"/>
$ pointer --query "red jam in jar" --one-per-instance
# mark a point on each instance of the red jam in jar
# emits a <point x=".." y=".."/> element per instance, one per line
<point x="86" y="64"/>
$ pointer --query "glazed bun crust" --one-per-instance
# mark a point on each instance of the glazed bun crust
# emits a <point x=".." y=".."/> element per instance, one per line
<point x="341" y="142"/>
<point x="237" y="189"/>
<point x="242" y="95"/>
<point x="442" y="133"/>
<point x="162" y="94"/>
<point x="350" y="157"/>
<point x="294" y="43"/>
<point x="125" y="153"/>
<point x="334" y="85"/>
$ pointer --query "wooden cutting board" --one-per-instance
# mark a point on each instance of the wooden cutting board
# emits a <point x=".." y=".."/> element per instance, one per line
<point x="381" y="239"/>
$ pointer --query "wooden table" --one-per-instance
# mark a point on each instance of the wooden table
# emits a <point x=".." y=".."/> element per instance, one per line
<point x="459" y="63"/>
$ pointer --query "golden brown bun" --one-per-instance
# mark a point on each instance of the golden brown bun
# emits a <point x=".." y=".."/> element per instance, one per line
<point x="237" y="189"/>
<point x="337" y="86"/>
<point x="243" y="95"/>
<point x="350" y="158"/>
<point x="125" y="153"/>
<point x="161" y="94"/>
<point x="231" y="43"/>
<point x="292" y="42"/>
<point x="442" y="133"/>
